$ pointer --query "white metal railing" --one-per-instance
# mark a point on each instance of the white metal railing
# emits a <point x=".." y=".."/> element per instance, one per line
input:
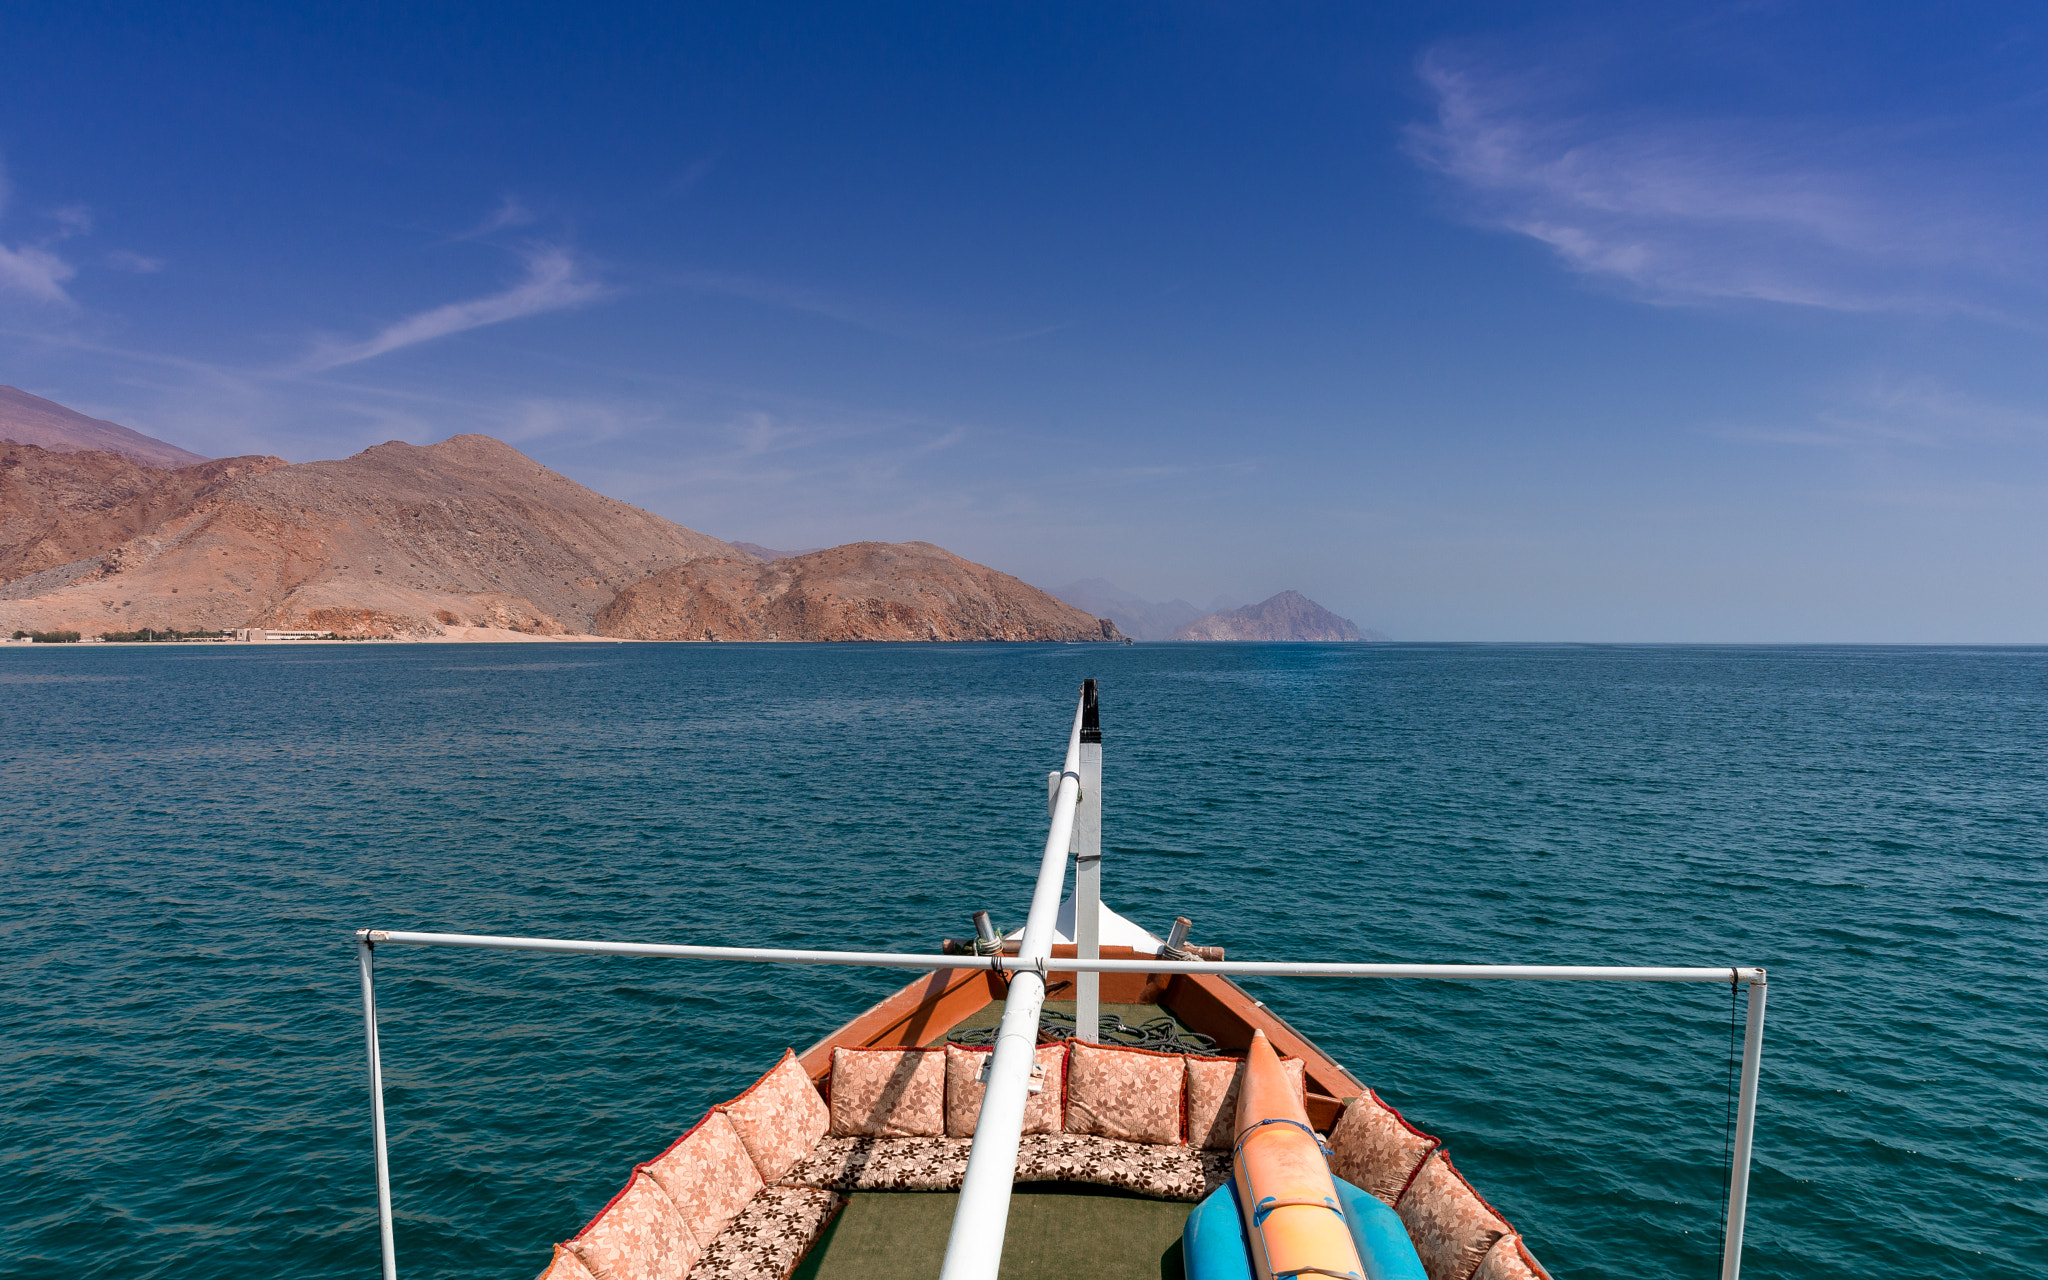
<point x="974" y="1249"/>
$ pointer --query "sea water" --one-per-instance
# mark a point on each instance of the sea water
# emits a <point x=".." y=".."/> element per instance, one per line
<point x="191" y="835"/>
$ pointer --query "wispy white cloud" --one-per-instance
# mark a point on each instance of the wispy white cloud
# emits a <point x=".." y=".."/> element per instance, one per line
<point x="554" y="281"/>
<point x="129" y="260"/>
<point x="1886" y="413"/>
<point x="35" y="272"/>
<point x="32" y="269"/>
<point x="788" y="298"/>
<point x="1806" y="212"/>
<point x="511" y="212"/>
<point x="72" y="220"/>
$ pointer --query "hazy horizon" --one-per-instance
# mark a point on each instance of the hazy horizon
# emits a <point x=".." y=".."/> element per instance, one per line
<point x="1593" y="325"/>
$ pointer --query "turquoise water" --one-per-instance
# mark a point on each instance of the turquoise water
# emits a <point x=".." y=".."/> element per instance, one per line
<point x="192" y="833"/>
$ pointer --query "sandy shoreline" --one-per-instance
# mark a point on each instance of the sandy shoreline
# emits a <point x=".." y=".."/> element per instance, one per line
<point x="454" y="635"/>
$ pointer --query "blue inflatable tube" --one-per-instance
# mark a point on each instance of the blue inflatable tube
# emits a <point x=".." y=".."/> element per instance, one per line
<point x="1214" y="1245"/>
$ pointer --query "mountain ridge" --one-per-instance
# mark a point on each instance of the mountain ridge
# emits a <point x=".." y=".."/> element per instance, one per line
<point x="397" y="539"/>
<point x="26" y="418"/>
<point x="423" y="541"/>
<point x="859" y="591"/>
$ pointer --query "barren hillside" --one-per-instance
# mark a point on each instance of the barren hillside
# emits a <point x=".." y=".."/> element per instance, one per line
<point x="59" y="507"/>
<point x="399" y="539"/>
<point x="861" y="591"/>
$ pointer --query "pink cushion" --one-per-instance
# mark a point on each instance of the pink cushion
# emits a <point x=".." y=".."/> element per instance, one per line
<point x="566" y="1266"/>
<point x="1509" y="1259"/>
<point x="1373" y="1148"/>
<point x="1131" y="1094"/>
<point x="779" y="1118"/>
<point x="1212" y="1097"/>
<point x="1043" y="1112"/>
<point x="1451" y="1226"/>
<point x="1160" y="1171"/>
<point x="708" y="1174"/>
<point x="640" y="1235"/>
<point x="888" y="1093"/>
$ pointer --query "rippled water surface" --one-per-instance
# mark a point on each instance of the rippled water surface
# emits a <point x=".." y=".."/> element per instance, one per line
<point x="191" y="834"/>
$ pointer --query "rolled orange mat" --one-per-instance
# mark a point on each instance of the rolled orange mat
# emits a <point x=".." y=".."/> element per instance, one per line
<point x="1284" y="1187"/>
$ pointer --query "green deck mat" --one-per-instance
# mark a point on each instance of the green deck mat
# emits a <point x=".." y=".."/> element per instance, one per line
<point x="1132" y="1014"/>
<point x="1057" y="1231"/>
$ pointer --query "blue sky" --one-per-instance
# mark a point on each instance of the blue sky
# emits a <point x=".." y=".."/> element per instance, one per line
<point x="1579" y="322"/>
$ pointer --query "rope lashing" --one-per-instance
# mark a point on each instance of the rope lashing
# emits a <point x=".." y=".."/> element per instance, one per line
<point x="1270" y="1203"/>
<point x="1281" y="1120"/>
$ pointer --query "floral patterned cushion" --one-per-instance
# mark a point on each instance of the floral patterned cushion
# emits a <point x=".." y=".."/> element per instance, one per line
<point x="708" y="1174"/>
<point x="1132" y="1094"/>
<point x="1451" y="1226"/>
<point x="1215" y="1168"/>
<point x="770" y="1236"/>
<point x="640" y="1235"/>
<point x="780" y="1118"/>
<point x="883" y="1164"/>
<point x="1373" y="1148"/>
<point x="888" y="1093"/>
<point x="1159" y="1171"/>
<point x="566" y="1266"/>
<point x="1042" y="1110"/>
<point x="1509" y="1259"/>
<point x="1212" y="1097"/>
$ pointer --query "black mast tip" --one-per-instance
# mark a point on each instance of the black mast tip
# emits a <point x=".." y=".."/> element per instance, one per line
<point x="1091" y="713"/>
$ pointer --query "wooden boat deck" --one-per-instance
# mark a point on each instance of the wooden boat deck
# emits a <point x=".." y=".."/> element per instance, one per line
<point x="1057" y="1231"/>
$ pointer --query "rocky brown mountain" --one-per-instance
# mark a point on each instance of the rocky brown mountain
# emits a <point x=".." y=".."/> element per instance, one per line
<point x="1287" y="616"/>
<point x="403" y="540"/>
<point x="27" y="419"/>
<point x="397" y="540"/>
<point x="861" y="591"/>
<point x="56" y="508"/>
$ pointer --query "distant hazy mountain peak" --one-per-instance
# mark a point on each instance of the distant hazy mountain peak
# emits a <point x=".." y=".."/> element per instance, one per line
<point x="770" y="554"/>
<point x="1136" y="617"/>
<point x="1287" y="616"/>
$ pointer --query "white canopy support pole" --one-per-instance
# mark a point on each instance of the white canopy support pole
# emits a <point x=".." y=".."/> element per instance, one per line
<point x="1745" y="1128"/>
<point x="974" y="1250"/>
<point x="367" y="963"/>
<point x="1088" y="872"/>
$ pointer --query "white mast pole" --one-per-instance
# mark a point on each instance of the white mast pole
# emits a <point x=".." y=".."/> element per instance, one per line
<point x="1745" y="1128"/>
<point x="974" y="1251"/>
<point x="365" y="959"/>
<point x="1088" y="871"/>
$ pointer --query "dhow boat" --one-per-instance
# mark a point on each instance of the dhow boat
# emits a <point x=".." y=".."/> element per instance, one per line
<point x="1078" y="1098"/>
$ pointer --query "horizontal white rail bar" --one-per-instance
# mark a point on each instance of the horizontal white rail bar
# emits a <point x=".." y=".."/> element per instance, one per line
<point x="1741" y="975"/>
<point x="1312" y="969"/>
<point x="755" y="955"/>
